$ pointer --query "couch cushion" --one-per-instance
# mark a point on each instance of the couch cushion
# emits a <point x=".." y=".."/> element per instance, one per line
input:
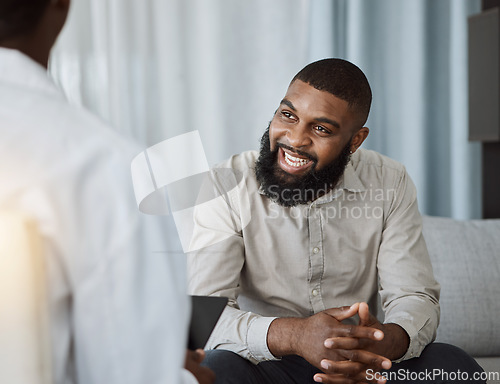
<point x="466" y="260"/>
<point x="491" y="366"/>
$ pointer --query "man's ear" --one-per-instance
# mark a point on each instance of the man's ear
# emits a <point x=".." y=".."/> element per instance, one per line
<point x="358" y="138"/>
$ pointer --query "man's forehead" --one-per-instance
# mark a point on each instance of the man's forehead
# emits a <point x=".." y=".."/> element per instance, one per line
<point x="288" y="103"/>
<point x="301" y="95"/>
<point x="299" y="89"/>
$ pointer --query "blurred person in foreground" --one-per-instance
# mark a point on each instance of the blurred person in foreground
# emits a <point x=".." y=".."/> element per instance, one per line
<point x="316" y="230"/>
<point x="118" y="308"/>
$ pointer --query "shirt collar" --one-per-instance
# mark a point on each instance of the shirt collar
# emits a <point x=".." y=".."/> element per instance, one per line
<point x="20" y="70"/>
<point x="350" y="180"/>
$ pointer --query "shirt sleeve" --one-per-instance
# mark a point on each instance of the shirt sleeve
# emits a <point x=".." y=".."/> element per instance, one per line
<point x="216" y="271"/>
<point x="214" y="268"/>
<point x="408" y="290"/>
<point x="130" y="308"/>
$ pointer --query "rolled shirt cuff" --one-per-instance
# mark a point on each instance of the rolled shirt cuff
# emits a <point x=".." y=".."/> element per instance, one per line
<point x="416" y="346"/>
<point x="257" y="339"/>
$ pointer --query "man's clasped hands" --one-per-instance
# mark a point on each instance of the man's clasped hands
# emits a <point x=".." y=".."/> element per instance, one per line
<point x="345" y="353"/>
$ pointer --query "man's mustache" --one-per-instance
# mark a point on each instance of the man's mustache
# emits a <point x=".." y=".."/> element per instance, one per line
<point x="297" y="151"/>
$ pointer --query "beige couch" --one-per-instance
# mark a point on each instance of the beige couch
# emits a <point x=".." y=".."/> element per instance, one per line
<point x="466" y="260"/>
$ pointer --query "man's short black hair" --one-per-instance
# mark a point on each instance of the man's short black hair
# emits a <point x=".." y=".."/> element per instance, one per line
<point x="343" y="80"/>
<point x="19" y="17"/>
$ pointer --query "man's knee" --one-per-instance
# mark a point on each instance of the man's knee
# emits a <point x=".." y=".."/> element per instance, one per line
<point x="229" y="367"/>
<point x="451" y="356"/>
<point x="444" y="363"/>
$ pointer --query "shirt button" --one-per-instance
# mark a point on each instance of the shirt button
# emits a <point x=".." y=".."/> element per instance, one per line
<point x="315" y="292"/>
<point x="315" y="249"/>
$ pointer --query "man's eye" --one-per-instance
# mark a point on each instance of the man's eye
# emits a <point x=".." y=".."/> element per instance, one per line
<point x="322" y="129"/>
<point x="288" y="115"/>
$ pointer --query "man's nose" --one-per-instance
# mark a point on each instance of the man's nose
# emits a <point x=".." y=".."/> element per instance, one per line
<point x="298" y="136"/>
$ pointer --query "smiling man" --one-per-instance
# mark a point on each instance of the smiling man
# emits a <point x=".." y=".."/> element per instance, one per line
<point x="309" y="141"/>
<point x="315" y="232"/>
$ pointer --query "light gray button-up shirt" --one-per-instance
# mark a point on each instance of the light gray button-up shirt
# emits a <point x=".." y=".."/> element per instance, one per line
<point x="361" y="239"/>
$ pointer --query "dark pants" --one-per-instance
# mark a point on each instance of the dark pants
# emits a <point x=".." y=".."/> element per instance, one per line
<point x="438" y="363"/>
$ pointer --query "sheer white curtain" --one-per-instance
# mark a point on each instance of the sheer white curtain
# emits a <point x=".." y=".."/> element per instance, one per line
<point x="158" y="68"/>
<point x="414" y="53"/>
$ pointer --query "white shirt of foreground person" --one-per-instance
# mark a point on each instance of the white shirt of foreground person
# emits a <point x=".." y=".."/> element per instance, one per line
<point x="118" y="308"/>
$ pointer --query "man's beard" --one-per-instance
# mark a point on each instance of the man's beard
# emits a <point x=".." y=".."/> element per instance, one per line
<point x="290" y="190"/>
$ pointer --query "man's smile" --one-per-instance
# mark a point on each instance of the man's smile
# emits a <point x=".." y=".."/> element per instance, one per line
<point x="293" y="163"/>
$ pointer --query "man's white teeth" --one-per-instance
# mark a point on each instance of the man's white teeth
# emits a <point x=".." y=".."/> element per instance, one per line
<point x="295" y="161"/>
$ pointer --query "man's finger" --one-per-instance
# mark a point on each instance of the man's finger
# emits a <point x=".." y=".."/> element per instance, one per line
<point x="366" y="318"/>
<point x="343" y="313"/>
<point x="357" y="374"/>
<point x="364" y="314"/>
<point x="366" y="358"/>
<point x="347" y="368"/>
<point x="345" y="343"/>
<point x="359" y="332"/>
<point x="333" y="379"/>
<point x="329" y="378"/>
<point x="200" y="355"/>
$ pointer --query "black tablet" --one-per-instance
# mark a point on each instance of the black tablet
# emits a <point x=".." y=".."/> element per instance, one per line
<point x="205" y="312"/>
